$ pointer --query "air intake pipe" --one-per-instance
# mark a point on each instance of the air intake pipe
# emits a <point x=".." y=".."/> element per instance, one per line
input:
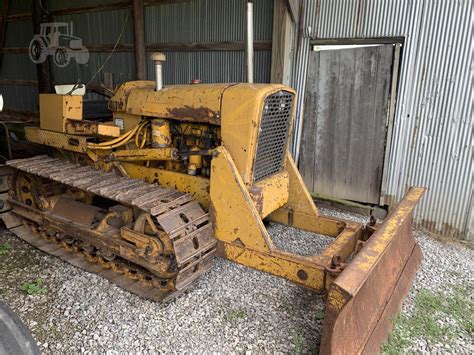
<point x="158" y="59"/>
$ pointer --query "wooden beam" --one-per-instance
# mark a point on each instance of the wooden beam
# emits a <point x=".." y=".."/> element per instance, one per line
<point x="292" y="6"/>
<point x="77" y="10"/>
<point x="283" y="29"/>
<point x="42" y="69"/>
<point x="349" y="41"/>
<point x="207" y="46"/>
<point x="18" y="82"/>
<point x="93" y="8"/>
<point x="3" y="27"/>
<point x="139" y="39"/>
<point x="166" y="47"/>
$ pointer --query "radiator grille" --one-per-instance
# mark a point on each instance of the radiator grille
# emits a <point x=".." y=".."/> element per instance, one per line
<point x="273" y="135"/>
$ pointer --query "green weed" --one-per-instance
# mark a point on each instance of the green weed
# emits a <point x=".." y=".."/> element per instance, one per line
<point x="320" y="314"/>
<point x="425" y="322"/>
<point x="233" y="314"/>
<point x="298" y="341"/>
<point x="33" y="288"/>
<point x="5" y="248"/>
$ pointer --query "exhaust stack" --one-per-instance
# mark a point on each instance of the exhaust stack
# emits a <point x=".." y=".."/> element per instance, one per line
<point x="249" y="41"/>
<point x="158" y="58"/>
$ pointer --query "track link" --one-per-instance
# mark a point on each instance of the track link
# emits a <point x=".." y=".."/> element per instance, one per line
<point x="157" y="265"/>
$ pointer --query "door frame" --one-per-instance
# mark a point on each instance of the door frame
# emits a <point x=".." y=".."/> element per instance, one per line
<point x="398" y="43"/>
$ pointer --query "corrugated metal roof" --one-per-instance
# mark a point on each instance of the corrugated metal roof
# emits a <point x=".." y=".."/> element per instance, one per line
<point x="432" y="143"/>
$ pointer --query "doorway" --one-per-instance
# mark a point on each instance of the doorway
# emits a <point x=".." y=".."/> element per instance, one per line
<point x="349" y="101"/>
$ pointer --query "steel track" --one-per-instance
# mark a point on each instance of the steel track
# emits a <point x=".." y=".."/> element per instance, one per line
<point x="177" y="215"/>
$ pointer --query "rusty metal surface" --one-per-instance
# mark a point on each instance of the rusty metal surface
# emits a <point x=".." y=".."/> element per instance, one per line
<point x="181" y="251"/>
<point x="73" y="210"/>
<point x="91" y="128"/>
<point x="195" y="114"/>
<point x="196" y="103"/>
<point x="362" y="300"/>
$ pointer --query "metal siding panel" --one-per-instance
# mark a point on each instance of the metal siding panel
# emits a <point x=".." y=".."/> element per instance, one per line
<point x="206" y="21"/>
<point x="101" y="27"/>
<point x="119" y="64"/>
<point x="432" y="143"/>
<point x="211" y="67"/>
<point x="19" y="7"/>
<point x="19" y="34"/>
<point x="17" y="67"/>
<point x="20" y="97"/>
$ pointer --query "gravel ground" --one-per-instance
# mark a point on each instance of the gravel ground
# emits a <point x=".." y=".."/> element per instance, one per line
<point x="230" y="309"/>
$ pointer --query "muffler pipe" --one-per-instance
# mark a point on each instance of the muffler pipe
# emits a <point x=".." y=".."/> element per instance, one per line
<point x="249" y="41"/>
<point x="158" y="59"/>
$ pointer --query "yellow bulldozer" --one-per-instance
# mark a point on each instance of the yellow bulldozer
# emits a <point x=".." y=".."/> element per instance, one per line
<point x="182" y="173"/>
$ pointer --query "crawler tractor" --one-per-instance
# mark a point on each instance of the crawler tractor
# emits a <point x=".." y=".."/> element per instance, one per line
<point x="182" y="173"/>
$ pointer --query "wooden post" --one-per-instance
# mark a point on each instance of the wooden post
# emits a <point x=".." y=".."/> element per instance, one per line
<point x="283" y="29"/>
<point x="42" y="69"/>
<point x="3" y="28"/>
<point x="139" y="39"/>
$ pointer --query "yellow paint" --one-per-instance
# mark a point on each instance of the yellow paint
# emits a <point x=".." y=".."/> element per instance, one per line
<point x="238" y="204"/>
<point x="55" y="110"/>
<point x="195" y="159"/>
<point x="172" y="102"/>
<point x="92" y="128"/>
<point x="128" y="121"/>
<point x="345" y="242"/>
<point x="145" y="154"/>
<point x="336" y="299"/>
<point x="197" y="186"/>
<point x="277" y="264"/>
<point x="160" y="132"/>
<point x="233" y="211"/>
<point x="55" y="139"/>
<point x="237" y="108"/>
<point x="242" y="107"/>
<point x="270" y="194"/>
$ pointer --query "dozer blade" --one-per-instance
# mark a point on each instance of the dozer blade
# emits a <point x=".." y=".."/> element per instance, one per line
<point x="363" y="299"/>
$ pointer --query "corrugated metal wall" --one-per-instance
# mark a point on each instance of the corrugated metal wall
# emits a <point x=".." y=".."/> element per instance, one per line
<point x="181" y="22"/>
<point x="432" y="142"/>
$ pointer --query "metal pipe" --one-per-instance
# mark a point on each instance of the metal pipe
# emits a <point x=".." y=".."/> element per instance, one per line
<point x="158" y="59"/>
<point x="158" y="76"/>
<point x="250" y="41"/>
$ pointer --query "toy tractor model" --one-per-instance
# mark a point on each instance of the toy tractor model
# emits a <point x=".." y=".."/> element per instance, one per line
<point x="56" y="39"/>
<point x="182" y="173"/>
